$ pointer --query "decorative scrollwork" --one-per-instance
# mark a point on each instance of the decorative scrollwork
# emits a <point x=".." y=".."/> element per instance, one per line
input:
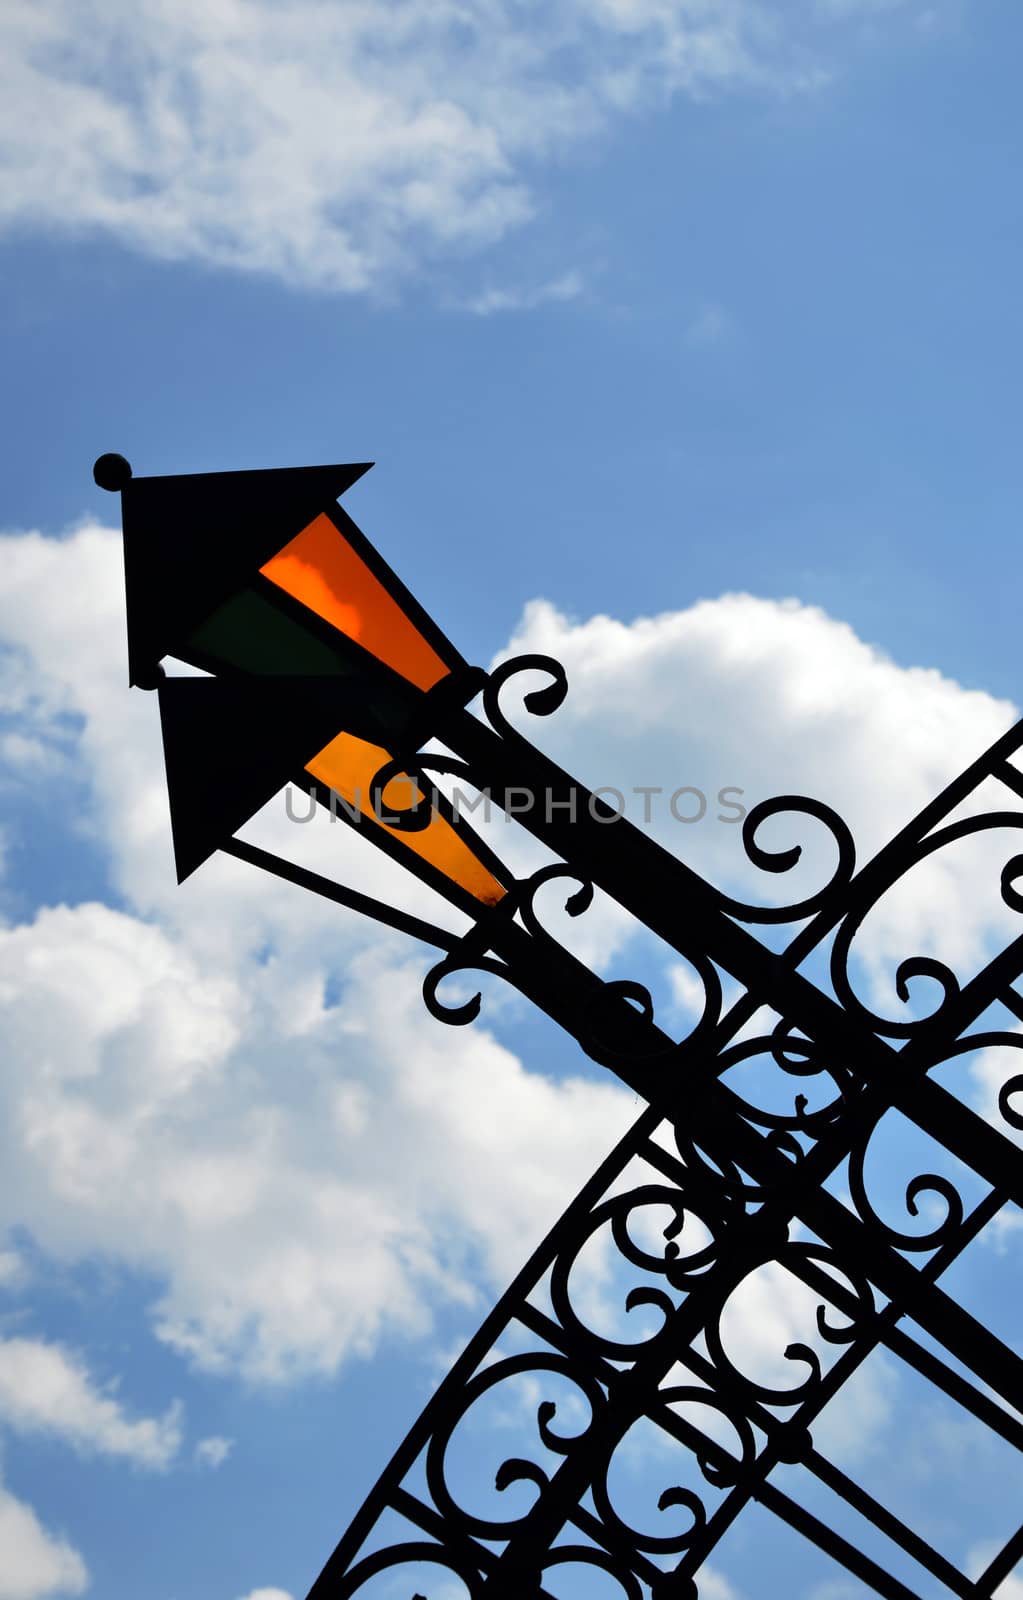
<point x="603" y="1027"/>
<point x="680" y="1263"/>
<point x="673" y="1497"/>
<point x="639" y="1297"/>
<point x="721" y="1466"/>
<point x="589" y="1555"/>
<point x="921" y="1184"/>
<point x="784" y="860"/>
<point x="1011" y="1087"/>
<point x="539" y="702"/>
<point x="1012" y="873"/>
<point x="514" y="1469"/>
<point x="794" y="1056"/>
<point x="868" y="896"/>
<point x="795" y="1257"/>
<point x="575" y="904"/>
<point x="419" y="811"/>
<point x="410" y="1555"/>
<point x="461" y="1013"/>
<point x="972" y="1044"/>
<point x="741" y="1179"/>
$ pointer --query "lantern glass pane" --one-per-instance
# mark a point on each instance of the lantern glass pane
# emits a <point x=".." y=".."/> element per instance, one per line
<point x="320" y="569"/>
<point x="348" y="766"/>
<point x="251" y="634"/>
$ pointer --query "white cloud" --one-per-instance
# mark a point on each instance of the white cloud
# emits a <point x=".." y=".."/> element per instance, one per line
<point x="268" y="1594"/>
<point x="713" y="1585"/>
<point x="35" y="1564"/>
<point x="864" y="8"/>
<point x="214" y="1451"/>
<point x="284" y="1239"/>
<point x="13" y="1270"/>
<point x="992" y="1070"/>
<point x="1011" y="1588"/>
<point x="858" y="1421"/>
<point x="569" y="286"/>
<point x="47" y="1389"/>
<point x="339" y="146"/>
<point x="179" y="1096"/>
<point x="155" y="1121"/>
<point x="836" y="1589"/>
<point x="712" y="325"/>
<point x="775" y="698"/>
<point x="17" y="751"/>
<point x="686" y="991"/>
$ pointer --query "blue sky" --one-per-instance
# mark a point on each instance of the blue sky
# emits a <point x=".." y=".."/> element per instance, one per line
<point x="687" y="339"/>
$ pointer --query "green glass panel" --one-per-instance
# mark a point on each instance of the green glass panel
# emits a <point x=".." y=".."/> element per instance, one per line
<point x="249" y="634"/>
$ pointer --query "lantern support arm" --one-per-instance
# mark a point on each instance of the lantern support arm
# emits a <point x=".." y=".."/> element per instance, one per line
<point x="351" y="899"/>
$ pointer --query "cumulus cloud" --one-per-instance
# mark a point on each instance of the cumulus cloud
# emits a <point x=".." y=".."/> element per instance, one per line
<point x="340" y="146"/>
<point x="713" y="1585"/>
<point x="156" y="1123"/>
<point x="769" y="698"/>
<point x="45" y="1388"/>
<point x="214" y="1451"/>
<point x="1011" y="1588"/>
<point x="285" y="1242"/>
<point x="13" y="1271"/>
<point x="36" y="1564"/>
<point x="198" y="1084"/>
<point x="569" y="286"/>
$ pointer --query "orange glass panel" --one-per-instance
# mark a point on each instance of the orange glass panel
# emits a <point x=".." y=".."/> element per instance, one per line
<point x="348" y="766"/>
<point x="320" y="569"/>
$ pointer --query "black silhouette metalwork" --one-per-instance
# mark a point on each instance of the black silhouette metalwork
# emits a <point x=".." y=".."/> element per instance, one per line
<point x="755" y="1144"/>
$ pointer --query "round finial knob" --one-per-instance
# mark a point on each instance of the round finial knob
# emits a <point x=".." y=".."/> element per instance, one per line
<point x="149" y="677"/>
<point x="112" y="472"/>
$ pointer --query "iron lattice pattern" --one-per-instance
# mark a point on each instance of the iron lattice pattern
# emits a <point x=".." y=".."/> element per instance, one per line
<point x="760" y="1158"/>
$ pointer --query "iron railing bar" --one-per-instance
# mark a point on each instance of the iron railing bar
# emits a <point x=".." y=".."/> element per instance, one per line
<point x="925" y="1302"/>
<point x="662" y="1415"/>
<point x="1006" y="773"/>
<point x="746" y="1489"/>
<point x="825" y="1215"/>
<point x="850" y="1237"/>
<point x="817" y="1277"/>
<point x="1012" y="1001"/>
<point x="434" y="1524"/>
<point x="755" y="1154"/>
<point x="884" y="1520"/>
<point x="479" y="1344"/>
<point x="1000" y="1568"/>
<point x="832" y="1543"/>
<point x="928" y="1304"/>
<point x="910" y="1284"/>
<point x="888" y="1523"/>
<point x="910" y="1350"/>
<point x="595" y="1530"/>
<point x="638" y="1385"/>
<point x="955" y="1386"/>
<point x="884" y="1265"/>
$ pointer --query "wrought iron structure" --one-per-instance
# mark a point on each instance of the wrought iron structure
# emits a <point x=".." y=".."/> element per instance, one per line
<point x="756" y="1170"/>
